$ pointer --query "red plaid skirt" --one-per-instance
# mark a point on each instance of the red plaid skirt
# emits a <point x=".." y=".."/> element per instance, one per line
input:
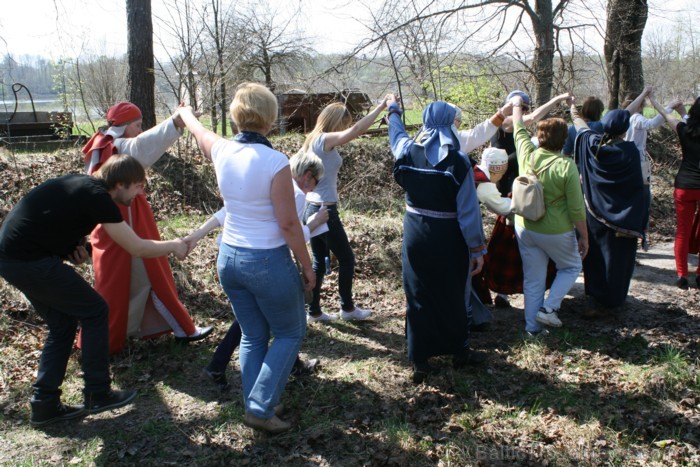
<point x="503" y="267"/>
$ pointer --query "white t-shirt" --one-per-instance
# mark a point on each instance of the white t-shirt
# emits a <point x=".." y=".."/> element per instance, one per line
<point x="244" y="173"/>
<point x="637" y="132"/>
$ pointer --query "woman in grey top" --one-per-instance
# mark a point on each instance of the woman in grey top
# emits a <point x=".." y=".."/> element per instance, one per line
<point x="333" y="129"/>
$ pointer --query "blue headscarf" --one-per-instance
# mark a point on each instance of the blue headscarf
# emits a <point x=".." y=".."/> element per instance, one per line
<point x="616" y="122"/>
<point x="611" y="177"/>
<point x="523" y="96"/>
<point x="438" y="134"/>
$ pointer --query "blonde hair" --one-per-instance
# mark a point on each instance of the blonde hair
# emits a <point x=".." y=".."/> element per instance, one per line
<point x="254" y="107"/>
<point x="334" y="117"/>
<point x="304" y="161"/>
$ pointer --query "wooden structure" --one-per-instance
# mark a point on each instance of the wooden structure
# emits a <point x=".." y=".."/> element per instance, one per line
<point x="299" y="110"/>
<point x="36" y="129"/>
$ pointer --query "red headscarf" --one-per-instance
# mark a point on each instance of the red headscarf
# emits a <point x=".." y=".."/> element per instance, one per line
<point x="120" y="114"/>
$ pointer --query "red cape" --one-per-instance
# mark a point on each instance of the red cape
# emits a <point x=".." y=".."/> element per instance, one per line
<point x="112" y="264"/>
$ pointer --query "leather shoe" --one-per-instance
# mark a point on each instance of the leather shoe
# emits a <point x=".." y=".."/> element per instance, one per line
<point x="200" y="333"/>
<point x="500" y="302"/>
<point x="421" y="372"/>
<point x="271" y="425"/>
<point x="305" y="367"/>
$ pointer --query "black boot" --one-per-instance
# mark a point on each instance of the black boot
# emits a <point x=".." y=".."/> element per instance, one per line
<point x="421" y="371"/>
<point x="99" y="402"/>
<point x="52" y="410"/>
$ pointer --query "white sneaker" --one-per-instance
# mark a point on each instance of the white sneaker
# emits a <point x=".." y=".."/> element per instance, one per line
<point x="549" y="318"/>
<point x="322" y="317"/>
<point x="356" y="314"/>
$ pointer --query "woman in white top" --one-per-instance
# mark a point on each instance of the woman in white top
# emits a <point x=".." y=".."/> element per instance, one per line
<point x="333" y="129"/>
<point x="255" y="267"/>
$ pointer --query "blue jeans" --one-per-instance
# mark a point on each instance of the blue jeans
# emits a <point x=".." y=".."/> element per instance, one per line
<point x="536" y="249"/>
<point x="63" y="299"/>
<point x="267" y="297"/>
<point x="335" y="240"/>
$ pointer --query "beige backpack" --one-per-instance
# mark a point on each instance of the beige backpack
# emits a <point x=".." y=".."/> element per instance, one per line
<point x="528" y="193"/>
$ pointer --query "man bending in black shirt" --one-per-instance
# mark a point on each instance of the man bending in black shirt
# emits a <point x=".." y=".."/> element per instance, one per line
<point x="49" y="226"/>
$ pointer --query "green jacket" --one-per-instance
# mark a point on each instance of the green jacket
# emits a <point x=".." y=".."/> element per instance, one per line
<point x="563" y="198"/>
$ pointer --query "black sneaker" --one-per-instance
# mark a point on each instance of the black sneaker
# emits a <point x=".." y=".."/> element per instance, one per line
<point x="501" y="302"/>
<point x="305" y="367"/>
<point x="218" y="378"/>
<point x="45" y="413"/>
<point x="536" y="334"/>
<point x="96" y="402"/>
<point x="682" y="283"/>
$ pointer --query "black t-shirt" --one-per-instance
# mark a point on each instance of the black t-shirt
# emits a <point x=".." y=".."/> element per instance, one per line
<point x="688" y="176"/>
<point x="53" y="218"/>
<point x="505" y="141"/>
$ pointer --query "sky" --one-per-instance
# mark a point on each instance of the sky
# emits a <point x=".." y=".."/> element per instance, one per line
<point x="64" y="28"/>
<point x="67" y="28"/>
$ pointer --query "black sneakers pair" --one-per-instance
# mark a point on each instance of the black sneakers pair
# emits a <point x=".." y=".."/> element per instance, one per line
<point x="45" y="412"/>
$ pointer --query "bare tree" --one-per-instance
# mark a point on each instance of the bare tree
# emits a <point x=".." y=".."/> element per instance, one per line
<point x="276" y="44"/>
<point x="623" y="48"/>
<point x="221" y="54"/>
<point x="184" y="28"/>
<point x="491" y="18"/>
<point x="140" y="57"/>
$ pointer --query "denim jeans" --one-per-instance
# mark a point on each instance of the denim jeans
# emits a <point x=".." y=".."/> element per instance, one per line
<point x="63" y="299"/>
<point x="335" y="240"/>
<point x="536" y="249"/>
<point x="267" y="297"/>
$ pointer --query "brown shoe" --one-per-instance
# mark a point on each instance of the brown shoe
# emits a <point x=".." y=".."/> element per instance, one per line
<point x="272" y="425"/>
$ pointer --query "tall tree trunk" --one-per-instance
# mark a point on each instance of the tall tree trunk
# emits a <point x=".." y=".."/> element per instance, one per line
<point x="623" y="48"/>
<point x="543" y="66"/>
<point x="140" y="57"/>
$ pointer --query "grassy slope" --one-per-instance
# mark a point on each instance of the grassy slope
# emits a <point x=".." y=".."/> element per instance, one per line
<point x="594" y="393"/>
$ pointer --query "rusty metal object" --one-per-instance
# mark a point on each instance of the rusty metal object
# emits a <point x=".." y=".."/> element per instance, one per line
<point x="35" y="127"/>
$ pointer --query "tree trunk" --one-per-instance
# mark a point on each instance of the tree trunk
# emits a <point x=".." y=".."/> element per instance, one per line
<point x="543" y="66"/>
<point x="141" y="80"/>
<point x="623" y="48"/>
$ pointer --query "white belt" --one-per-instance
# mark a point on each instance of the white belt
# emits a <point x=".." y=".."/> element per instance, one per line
<point x="429" y="213"/>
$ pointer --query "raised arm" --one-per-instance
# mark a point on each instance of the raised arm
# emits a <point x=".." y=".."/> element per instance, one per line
<point x="636" y="104"/>
<point x="205" y="138"/>
<point x="481" y="133"/>
<point x="579" y="123"/>
<point x="540" y="112"/>
<point x="670" y="119"/>
<point x="398" y="138"/>
<point x="339" y="138"/>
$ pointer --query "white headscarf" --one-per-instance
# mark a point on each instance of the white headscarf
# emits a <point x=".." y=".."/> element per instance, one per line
<point x="493" y="160"/>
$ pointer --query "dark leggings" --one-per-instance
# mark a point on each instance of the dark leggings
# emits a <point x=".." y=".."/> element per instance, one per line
<point x="224" y="351"/>
<point x="336" y="241"/>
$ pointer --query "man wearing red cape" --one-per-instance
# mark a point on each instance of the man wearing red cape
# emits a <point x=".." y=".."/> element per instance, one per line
<point x="141" y="293"/>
